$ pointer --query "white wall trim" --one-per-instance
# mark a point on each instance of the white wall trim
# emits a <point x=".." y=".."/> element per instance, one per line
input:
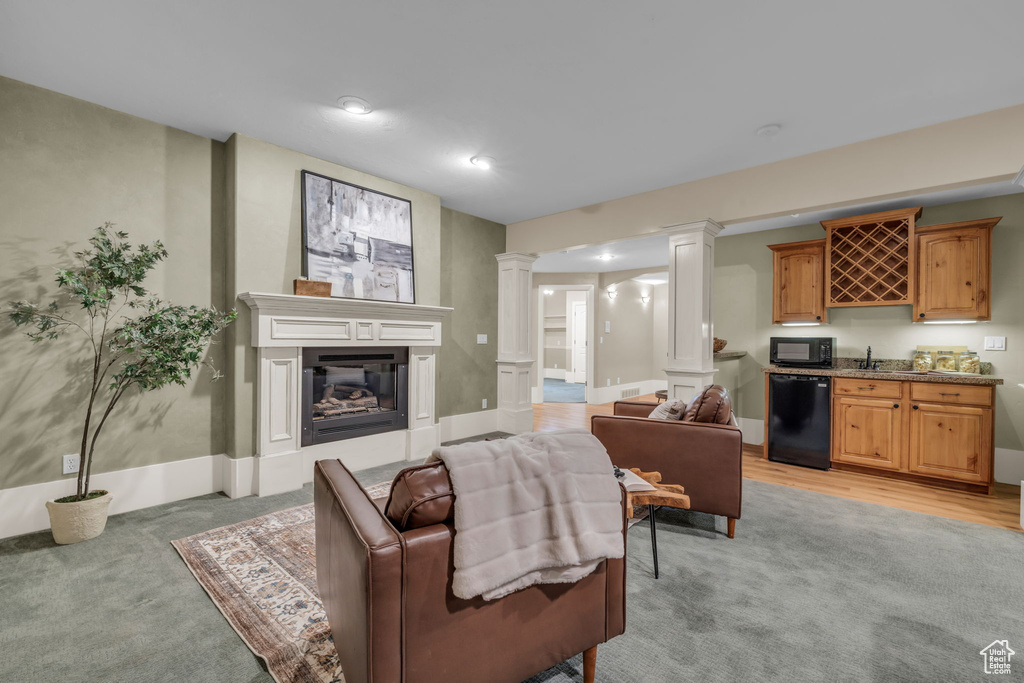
<point x="1009" y="467"/>
<point x="468" y="424"/>
<point x="753" y="430"/>
<point x="23" y="509"/>
<point x="600" y="395"/>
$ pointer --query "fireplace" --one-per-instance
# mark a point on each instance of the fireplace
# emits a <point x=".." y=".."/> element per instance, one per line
<point x="352" y="392"/>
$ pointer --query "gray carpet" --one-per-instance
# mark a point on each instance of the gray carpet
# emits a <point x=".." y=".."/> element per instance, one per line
<point x="560" y="391"/>
<point x="814" y="588"/>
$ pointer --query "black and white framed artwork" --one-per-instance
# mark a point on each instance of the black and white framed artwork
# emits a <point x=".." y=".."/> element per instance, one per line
<point x="357" y="239"/>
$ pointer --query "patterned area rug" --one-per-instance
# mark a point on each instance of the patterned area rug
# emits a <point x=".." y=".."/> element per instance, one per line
<point x="261" y="575"/>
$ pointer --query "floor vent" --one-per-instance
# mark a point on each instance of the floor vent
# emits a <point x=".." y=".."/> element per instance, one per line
<point x="630" y="393"/>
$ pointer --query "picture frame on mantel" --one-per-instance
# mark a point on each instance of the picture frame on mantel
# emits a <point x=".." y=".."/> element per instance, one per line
<point x="358" y="239"/>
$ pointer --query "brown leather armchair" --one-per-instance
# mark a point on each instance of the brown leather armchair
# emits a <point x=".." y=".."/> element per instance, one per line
<point x="705" y="457"/>
<point x="385" y="573"/>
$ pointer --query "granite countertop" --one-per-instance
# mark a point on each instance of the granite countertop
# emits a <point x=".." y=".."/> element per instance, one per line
<point x="892" y="375"/>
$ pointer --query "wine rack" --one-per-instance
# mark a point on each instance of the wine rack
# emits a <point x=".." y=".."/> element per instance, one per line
<point x="870" y="259"/>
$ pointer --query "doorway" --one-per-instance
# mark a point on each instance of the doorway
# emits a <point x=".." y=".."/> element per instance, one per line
<point x="566" y="340"/>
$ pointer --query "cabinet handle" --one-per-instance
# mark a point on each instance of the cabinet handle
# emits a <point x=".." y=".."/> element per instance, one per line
<point x="915" y="407"/>
<point x="921" y="315"/>
<point x="866" y="388"/>
<point x="942" y="394"/>
<point x="818" y="317"/>
<point x="895" y="405"/>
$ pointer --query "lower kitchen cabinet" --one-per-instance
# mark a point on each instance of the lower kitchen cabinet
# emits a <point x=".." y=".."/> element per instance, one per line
<point x="951" y="441"/>
<point x="939" y="432"/>
<point x="868" y="432"/>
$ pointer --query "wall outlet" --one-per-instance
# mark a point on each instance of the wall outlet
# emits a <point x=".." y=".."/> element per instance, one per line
<point x="69" y="463"/>
<point x="608" y="382"/>
<point x="995" y="343"/>
<point x="600" y="340"/>
<point x="556" y="366"/>
<point x="484" y="404"/>
<point x="618" y="380"/>
<point x="481" y="339"/>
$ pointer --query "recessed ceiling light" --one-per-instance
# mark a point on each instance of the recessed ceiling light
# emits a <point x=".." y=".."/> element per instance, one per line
<point x="606" y="257"/>
<point x="354" y="105"/>
<point x="769" y="131"/>
<point x="482" y="162"/>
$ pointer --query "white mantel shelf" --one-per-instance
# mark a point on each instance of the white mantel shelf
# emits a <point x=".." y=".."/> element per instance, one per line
<point x="288" y="320"/>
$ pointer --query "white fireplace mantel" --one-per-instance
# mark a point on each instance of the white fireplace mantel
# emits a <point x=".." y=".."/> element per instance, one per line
<point x="286" y="320"/>
<point x="284" y="324"/>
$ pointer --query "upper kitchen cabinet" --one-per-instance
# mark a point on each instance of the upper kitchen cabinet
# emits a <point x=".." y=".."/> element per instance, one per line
<point x="798" y="283"/>
<point x="870" y="260"/>
<point x="954" y="274"/>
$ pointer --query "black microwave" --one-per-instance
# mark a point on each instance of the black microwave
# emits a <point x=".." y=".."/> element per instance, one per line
<point x="802" y="352"/>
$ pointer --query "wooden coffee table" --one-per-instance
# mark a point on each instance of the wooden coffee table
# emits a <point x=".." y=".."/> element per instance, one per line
<point x="670" y="495"/>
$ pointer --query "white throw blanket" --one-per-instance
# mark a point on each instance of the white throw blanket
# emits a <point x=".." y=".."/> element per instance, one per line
<point x="533" y="508"/>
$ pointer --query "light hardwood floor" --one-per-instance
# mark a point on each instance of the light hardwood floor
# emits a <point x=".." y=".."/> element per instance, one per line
<point x="1001" y="509"/>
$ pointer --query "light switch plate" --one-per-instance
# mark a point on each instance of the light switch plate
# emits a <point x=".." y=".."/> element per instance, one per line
<point x="481" y="339"/>
<point x="995" y="343"/>
<point x="484" y="404"/>
<point x="607" y="326"/>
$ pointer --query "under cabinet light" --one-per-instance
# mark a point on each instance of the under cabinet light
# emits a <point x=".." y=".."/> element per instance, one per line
<point x="949" y="322"/>
<point x="800" y="324"/>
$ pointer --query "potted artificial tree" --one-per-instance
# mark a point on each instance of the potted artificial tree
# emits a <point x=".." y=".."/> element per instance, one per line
<point x="136" y="342"/>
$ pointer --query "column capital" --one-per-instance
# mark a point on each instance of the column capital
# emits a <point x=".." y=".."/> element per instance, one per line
<point x="525" y="259"/>
<point x="707" y="226"/>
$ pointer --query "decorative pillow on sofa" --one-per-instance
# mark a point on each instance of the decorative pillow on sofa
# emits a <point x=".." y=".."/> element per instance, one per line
<point x="711" y="405"/>
<point x="669" y="410"/>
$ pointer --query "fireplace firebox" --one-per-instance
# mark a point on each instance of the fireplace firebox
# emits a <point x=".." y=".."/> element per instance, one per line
<point x="352" y="392"/>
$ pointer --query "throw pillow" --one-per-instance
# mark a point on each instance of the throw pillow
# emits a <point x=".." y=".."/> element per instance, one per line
<point x="669" y="410"/>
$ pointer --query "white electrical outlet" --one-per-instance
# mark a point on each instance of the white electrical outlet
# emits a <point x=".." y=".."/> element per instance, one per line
<point x="484" y="404"/>
<point x="481" y="339"/>
<point x="995" y="343"/>
<point x="556" y="366"/>
<point x="600" y="340"/>
<point x="69" y="463"/>
<point x="618" y="380"/>
<point x="609" y="382"/>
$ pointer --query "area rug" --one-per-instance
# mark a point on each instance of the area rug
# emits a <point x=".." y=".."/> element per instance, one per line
<point x="261" y="575"/>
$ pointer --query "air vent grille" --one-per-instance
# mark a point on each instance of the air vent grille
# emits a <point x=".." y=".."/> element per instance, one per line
<point x="630" y="393"/>
<point x="348" y="428"/>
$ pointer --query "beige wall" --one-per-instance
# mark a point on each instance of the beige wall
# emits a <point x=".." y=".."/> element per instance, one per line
<point x="469" y="284"/>
<point x="742" y="314"/>
<point x="969" y="151"/>
<point x="66" y="167"/>
<point x="625" y="354"/>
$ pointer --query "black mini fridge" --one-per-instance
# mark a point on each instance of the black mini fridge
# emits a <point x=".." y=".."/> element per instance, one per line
<point x="799" y="420"/>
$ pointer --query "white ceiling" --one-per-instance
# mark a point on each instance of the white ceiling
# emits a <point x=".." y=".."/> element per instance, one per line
<point x="652" y="251"/>
<point x="578" y="102"/>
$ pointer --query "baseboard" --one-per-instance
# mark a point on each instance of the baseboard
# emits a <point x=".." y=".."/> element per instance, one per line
<point x="554" y="373"/>
<point x="753" y="430"/>
<point x="599" y="395"/>
<point x="1009" y="467"/>
<point x="133" y="489"/>
<point x="468" y="424"/>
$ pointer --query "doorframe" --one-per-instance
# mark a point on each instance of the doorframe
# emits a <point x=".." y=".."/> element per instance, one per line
<point x="571" y="324"/>
<point x="538" y="388"/>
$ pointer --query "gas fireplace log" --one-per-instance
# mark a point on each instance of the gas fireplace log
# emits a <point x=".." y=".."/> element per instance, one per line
<point x="340" y="390"/>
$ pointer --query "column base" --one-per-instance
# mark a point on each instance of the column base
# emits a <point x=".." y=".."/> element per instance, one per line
<point x="422" y="442"/>
<point x="515" y="421"/>
<point x="685" y="384"/>
<point x="279" y="473"/>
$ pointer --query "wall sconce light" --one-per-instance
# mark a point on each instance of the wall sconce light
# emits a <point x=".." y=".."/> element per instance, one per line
<point x="612" y="294"/>
<point x="645" y="299"/>
<point x="548" y="292"/>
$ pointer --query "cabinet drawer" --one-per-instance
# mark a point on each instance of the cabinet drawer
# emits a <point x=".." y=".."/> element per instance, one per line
<point x="870" y="388"/>
<point x="951" y="393"/>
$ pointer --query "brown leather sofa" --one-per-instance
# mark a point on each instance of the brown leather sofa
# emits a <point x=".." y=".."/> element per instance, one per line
<point x="706" y="457"/>
<point x="384" y="572"/>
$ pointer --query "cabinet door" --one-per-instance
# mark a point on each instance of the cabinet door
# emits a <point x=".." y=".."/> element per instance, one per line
<point x="953" y="274"/>
<point x="868" y="432"/>
<point x="951" y="441"/>
<point x="798" y="293"/>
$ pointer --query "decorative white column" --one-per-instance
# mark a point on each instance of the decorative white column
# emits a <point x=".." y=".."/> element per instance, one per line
<point x="690" y="328"/>
<point x="515" y="360"/>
